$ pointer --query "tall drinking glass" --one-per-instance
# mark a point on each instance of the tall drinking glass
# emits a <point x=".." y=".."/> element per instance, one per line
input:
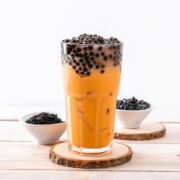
<point x="91" y="82"/>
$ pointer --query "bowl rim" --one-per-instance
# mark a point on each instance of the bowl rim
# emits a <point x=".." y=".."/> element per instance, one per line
<point x="23" y="119"/>
<point x="134" y="111"/>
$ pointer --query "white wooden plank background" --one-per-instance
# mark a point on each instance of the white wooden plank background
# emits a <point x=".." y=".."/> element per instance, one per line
<point x="22" y="158"/>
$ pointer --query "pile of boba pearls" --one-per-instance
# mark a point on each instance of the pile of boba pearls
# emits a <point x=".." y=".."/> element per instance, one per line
<point x="44" y="118"/>
<point x="132" y="104"/>
<point x="87" y="52"/>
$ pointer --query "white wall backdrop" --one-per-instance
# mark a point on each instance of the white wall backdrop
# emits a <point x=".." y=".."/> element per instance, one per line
<point x="30" y="32"/>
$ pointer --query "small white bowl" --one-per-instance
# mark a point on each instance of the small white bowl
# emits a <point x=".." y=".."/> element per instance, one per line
<point x="45" y="134"/>
<point x="131" y="119"/>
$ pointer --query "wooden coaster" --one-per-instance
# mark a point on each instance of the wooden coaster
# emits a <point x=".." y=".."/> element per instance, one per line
<point x="60" y="154"/>
<point x="145" y="132"/>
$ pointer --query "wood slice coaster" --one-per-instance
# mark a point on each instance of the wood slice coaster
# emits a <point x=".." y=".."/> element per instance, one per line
<point x="60" y="154"/>
<point x="145" y="132"/>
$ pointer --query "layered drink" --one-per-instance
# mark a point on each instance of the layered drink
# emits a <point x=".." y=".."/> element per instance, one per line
<point x="91" y="70"/>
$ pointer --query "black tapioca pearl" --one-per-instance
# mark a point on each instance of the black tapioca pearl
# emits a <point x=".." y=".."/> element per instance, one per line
<point x="90" y="65"/>
<point x="110" y="56"/>
<point x="69" y="50"/>
<point x="95" y="63"/>
<point x="115" y="52"/>
<point x="97" y="66"/>
<point x="78" y="50"/>
<point x="85" y="48"/>
<point x="114" y="47"/>
<point x="87" y="41"/>
<point x="74" y="67"/>
<point x="80" y="68"/>
<point x="97" y="55"/>
<point x="77" y="63"/>
<point x="85" y="69"/>
<point x="81" y="60"/>
<point x="102" y="71"/>
<point x="74" y="51"/>
<point x="91" y="53"/>
<point x="84" y="64"/>
<point x="77" y="54"/>
<point x="85" y="54"/>
<point x="73" y="62"/>
<point x="102" y="53"/>
<point x="86" y="58"/>
<point x="90" y="47"/>
<point x="80" y="55"/>
<point x="105" y="58"/>
<point x="92" y="59"/>
<point x="66" y="40"/>
<point x="99" y="48"/>
<point x="81" y="73"/>
<point x="114" y="64"/>
<point x="69" y="46"/>
<point x="77" y="71"/>
<point x="88" y="62"/>
<point x="110" y="47"/>
<point x="72" y="55"/>
<point x="70" y="63"/>
<point x="72" y="46"/>
<point x="88" y="73"/>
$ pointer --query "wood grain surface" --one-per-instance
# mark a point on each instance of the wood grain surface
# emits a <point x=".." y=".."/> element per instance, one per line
<point x="62" y="155"/>
<point x="21" y="158"/>
<point x="144" y="132"/>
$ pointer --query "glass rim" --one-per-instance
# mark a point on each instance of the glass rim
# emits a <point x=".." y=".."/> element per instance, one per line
<point x="78" y="44"/>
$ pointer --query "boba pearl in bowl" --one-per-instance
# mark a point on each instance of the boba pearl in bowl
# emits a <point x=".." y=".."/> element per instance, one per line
<point x="132" y="112"/>
<point x="45" y="127"/>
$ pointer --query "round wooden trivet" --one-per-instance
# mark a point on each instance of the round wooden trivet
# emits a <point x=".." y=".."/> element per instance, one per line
<point x="145" y="132"/>
<point x="60" y="154"/>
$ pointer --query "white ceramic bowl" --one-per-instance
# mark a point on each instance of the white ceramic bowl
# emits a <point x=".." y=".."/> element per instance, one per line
<point x="131" y="119"/>
<point x="44" y="133"/>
